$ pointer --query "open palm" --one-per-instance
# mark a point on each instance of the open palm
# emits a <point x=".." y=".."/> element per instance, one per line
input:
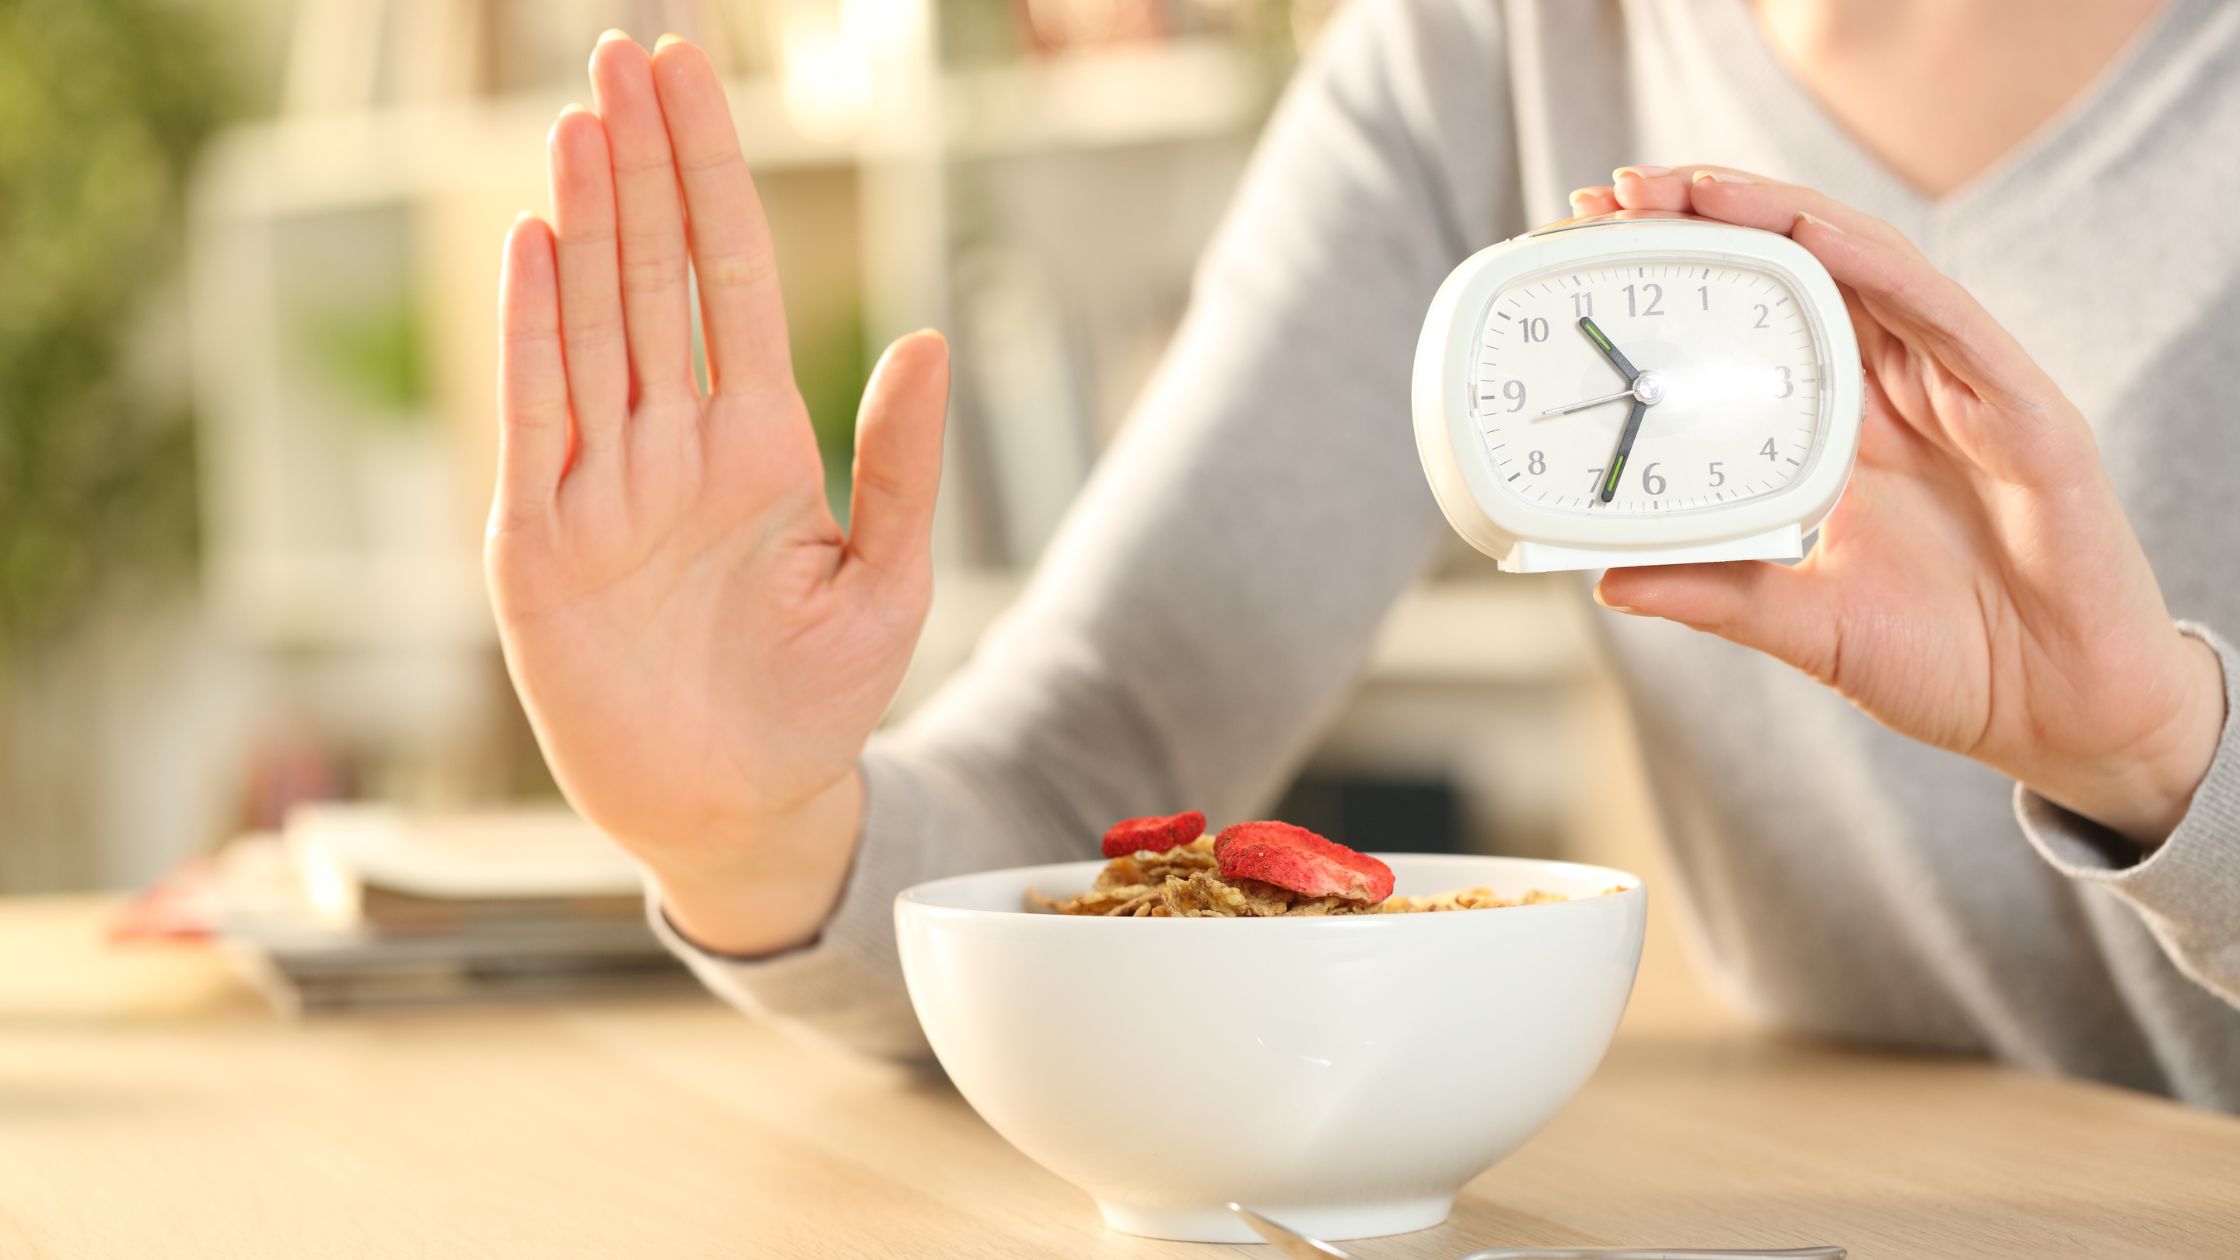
<point x="1978" y="588"/>
<point x="700" y="647"/>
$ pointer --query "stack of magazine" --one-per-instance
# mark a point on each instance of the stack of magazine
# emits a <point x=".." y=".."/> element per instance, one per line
<point x="358" y="906"/>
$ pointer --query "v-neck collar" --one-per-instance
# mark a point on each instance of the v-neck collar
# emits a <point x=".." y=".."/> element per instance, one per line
<point x="1822" y="145"/>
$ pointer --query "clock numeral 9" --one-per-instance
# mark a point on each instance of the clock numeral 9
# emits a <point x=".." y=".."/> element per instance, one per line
<point x="1651" y="483"/>
<point x="1514" y="392"/>
<point x="1534" y="329"/>
<point x="1537" y="463"/>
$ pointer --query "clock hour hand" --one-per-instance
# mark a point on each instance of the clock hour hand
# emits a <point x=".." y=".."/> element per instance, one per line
<point x="1625" y="448"/>
<point x="1602" y="342"/>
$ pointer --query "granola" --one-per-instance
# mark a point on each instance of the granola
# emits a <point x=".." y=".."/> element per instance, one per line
<point x="1185" y="882"/>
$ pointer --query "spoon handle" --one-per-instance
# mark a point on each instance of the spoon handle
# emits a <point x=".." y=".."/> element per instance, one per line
<point x="1651" y="1253"/>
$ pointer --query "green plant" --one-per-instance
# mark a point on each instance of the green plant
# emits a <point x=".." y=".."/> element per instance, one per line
<point x="103" y="105"/>
<point x="829" y="368"/>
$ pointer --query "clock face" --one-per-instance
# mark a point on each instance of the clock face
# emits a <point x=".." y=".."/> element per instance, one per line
<point x="1726" y="351"/>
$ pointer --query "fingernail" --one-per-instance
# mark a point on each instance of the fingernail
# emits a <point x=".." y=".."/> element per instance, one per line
<point x="1645" y="172"/>
<point x="1722" y="177"/>
<point x="667" y="40"/>
<point x="1802" y="217"/>
<point x="613" y="33"/>
<point x="1577" y="194"/>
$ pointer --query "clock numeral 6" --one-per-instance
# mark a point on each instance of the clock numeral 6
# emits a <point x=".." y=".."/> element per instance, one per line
<point x="1651" y="483"/>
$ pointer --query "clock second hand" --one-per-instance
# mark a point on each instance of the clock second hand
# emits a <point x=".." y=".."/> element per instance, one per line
<point x="1591" y="402"/>
<point x="1633" y="417"/>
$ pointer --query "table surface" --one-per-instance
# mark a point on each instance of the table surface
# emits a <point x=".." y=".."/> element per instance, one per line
<point x="151" y="1107"/>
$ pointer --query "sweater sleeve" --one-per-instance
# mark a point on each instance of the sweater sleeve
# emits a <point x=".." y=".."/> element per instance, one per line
<point x="1217" y="585"/>
<point x="2188" y="890"/>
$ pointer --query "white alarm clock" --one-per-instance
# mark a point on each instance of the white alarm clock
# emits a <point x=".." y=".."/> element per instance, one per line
<point x="1639" y="388"/>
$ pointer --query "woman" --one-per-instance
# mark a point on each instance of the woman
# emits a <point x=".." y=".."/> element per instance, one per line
<point x="704" y="653"/>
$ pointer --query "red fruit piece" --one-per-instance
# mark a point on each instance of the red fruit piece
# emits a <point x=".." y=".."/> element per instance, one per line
<point x="1298" y="859"/>
<point x="1135" y="835"/>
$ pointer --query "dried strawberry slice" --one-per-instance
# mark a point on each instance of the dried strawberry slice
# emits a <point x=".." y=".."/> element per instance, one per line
<point x="1298" y="859"/>
<point x="1135" y="835"/>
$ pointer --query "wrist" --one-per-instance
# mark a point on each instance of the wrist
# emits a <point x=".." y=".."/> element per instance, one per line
<point x="768" y="885"/>
<point x="2145" y="794"/>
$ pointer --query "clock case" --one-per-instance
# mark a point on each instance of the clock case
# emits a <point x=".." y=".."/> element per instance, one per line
<point x="1526" y="537"/>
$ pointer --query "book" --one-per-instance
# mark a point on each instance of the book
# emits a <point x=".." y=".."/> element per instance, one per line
<point x="363" y="906"/>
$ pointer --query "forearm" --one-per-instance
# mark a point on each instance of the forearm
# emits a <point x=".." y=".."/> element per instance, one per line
<point x="751" y="889"/>
<point x="2143" y="792"/>
<point x="2186" y="889"/>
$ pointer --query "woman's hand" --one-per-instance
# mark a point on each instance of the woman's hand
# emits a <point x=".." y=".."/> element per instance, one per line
<point x="1978" y="588"/>
<point x="701" y="649"/>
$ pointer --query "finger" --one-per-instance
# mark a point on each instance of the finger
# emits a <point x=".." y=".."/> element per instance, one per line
<point x="649" y="215"/>
<point x="1741" y="197"/>
<point x="742" y="317"/>
<point x="1787" y="613"/>
<point x="1593" y="201"/>
<point x="898" y="451"/>
<point x="532" y="376"/>
<point x="590" y="292"/>
<point x="1648" y="188"/>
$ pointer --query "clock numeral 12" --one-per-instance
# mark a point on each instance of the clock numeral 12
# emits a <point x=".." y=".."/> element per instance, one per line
<point x="1655" y="294"/>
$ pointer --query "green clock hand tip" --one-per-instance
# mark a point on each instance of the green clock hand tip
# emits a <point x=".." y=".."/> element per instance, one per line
<point x="1608" y="348"/>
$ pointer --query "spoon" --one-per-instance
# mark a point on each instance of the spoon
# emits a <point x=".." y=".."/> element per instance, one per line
<point x="1299" y="1246"/>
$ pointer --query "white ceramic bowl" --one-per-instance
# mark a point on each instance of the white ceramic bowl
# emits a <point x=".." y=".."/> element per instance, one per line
<point x="1344" y="1075"/>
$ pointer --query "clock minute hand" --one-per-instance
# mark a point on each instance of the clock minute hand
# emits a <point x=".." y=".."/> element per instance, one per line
<point x="1602" y="342"/>
<point x="1625" y="448"/>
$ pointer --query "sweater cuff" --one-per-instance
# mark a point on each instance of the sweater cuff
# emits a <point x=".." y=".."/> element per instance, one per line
<point x="843" y="989"/>
<point x="2188" y="888"/>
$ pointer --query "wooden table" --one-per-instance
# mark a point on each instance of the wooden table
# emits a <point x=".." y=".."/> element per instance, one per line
<point x="149" y="1107"/>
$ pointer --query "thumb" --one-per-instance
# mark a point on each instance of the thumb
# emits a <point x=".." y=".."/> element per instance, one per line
<point x="1786" y="612"/>
<point x="898" y="451"/>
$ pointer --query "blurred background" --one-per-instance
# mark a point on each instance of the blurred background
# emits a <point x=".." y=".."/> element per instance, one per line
<point x="248" y="256"/>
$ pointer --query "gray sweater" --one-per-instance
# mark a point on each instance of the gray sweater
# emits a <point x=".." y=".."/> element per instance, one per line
<point x="1216" y="589"/>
